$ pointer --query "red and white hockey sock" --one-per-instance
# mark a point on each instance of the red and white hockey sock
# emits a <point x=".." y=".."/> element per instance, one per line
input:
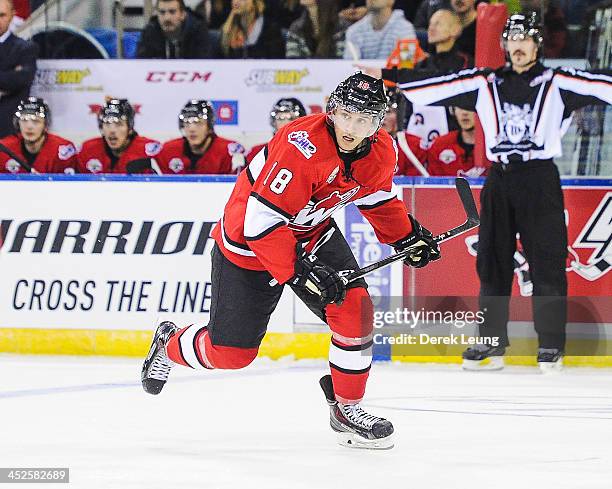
<point x="192" y="347"/>
<point x="350" y="352"/>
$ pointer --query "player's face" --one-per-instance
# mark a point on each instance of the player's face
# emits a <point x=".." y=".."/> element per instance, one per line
<point x="523" y="52"/>
<point x="116" y="134"/>
<point x="390" y="122"/>
<point x="465" y="119"/>
<point x="196" y="131"/>
<point x="352" y="128"/>
<point x="6" y="16"/>
<point x="282" y="119"/>
<point x="170" y="15"/>
<point x="31" y="128"/>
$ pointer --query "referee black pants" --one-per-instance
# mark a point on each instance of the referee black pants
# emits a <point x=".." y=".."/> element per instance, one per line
<point x="524" y="198"/>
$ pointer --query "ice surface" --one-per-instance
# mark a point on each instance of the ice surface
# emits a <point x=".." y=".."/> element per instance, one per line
<point x="267" y="427"/>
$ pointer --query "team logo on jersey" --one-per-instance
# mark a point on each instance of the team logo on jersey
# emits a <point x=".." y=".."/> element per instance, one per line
<point x="300" y="140"/>
<point x="153" y="148"/>
<point x="447" y="156"/>
<point x="597" y="235"/>
<point x="66" y="151"/>
<point x="233" y="148"/>
<point x="364" y="85"/>
<point x="69" y="171"/>
<point x="176" y="165"/>
<point x="516" y="122"/>
<point x="94" y="166"/>
<point x="316" y="212"/>
<point x="12" y="166"/>
<point x="332" y="175"/>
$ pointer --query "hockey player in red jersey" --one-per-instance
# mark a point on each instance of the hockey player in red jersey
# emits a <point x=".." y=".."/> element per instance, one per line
<point x="408" y="146"/>
<point x="277" y="229"/>
<point x="453" y="154"/>
<point x="200" y="150"/>
<point x="283" y="112"/>
<point x="120" y="149"/>
<point x="38" y="150"/>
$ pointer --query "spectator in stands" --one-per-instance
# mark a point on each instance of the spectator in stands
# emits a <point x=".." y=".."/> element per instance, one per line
<point x="453" y="154"/>
<point x="200" y="150"/>
<point x="318" y="33"/>
<point x="375" y="36"/>
<point x="466" y="10"/>
<point x="34" y="149"/>
<point x="282" y="113"/>
<point x="120" y="149"/>
<point x="442" y="34"/>
<point x="284" y="12"/>
<point x="426" y="10"/>
<point x="249" y="33"/>
<point x="214" y="11"/>
<point x="174" y="33"/>
<point x="352" y="10"/>
<point x="555" y="27"/>
<point x="17" y="68"/>
<point x="408" y="146"/>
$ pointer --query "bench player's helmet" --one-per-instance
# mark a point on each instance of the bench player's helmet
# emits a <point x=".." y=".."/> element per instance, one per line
<point x="523" y="26"/>
<point x="360" y="93"/>
<point x="116" y="110"/>
<point x="32" y="107"/>
<point x="286" y="109"/>
<point x="196" y="111"/>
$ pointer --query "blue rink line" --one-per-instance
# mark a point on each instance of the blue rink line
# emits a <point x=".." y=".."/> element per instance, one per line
<point x="434" y="181"/>
<point x="48" y="391"/>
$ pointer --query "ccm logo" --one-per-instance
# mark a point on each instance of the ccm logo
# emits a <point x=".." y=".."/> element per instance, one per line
<point x="178" y="76"/>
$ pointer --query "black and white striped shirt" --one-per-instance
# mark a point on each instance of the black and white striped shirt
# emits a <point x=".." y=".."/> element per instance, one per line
<point x="523" y="116"/>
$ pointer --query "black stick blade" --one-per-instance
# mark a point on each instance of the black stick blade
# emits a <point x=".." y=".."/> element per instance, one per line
<point x="467" y="199"/>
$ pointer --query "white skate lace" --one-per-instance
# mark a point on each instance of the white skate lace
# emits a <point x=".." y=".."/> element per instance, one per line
<point x="160" y="367"/>
<point x="358" y="416"/>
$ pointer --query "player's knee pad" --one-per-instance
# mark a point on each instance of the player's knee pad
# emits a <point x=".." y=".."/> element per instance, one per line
<point x="352" y="321"/>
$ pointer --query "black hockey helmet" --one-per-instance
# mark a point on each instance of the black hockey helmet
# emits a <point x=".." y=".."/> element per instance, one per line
<point x="115" y="110"/>
<point x="522" y="26"/>
<point x="363" y="94"/>
<point x="291" y="106"/>
<point x="197" y="110"/>
<point x="32" y="107"/>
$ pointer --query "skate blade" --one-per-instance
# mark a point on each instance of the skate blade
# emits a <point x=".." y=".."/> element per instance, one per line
<point x="352" y="440"/>
<point x="551" y="367"/>
<point x="490" y="363"/>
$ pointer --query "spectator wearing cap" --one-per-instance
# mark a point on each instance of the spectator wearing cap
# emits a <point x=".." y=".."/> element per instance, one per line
<point x="376" y="35"/>
<point x="17" y="68"/>
<point x="249" y="32"/>
<point x="175" y="32"/>
<point x="318" y="33"/>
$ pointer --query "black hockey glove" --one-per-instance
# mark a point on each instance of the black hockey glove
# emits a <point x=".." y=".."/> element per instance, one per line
<point x="426" y="249"/>
<point x="316" y="278"/>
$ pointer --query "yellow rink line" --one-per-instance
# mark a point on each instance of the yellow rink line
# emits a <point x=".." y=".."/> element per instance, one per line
<point x="130" y="343"/>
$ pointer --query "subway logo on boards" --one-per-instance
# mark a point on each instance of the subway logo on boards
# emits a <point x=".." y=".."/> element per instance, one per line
<point x="112" y="237"/>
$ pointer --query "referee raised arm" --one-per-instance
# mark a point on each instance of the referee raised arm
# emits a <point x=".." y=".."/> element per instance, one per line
<point x="524" y="109"/>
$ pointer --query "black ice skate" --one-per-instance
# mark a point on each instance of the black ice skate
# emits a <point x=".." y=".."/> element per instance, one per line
<point x="484" y="357"/>
<point x="156" y="367"/>
<point x="354" y="427"/>
<point x="550" y="359"/>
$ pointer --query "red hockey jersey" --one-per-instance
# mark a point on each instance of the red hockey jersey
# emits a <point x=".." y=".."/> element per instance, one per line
<point x="253" y="152"/>
<point x="449" y="156"/>
<point x="222" y="157"/>
<point x="290" y="191"/>
<point x="413" y="144"/>
<point x="57" y="155"/>
<point x="96" y="156"/>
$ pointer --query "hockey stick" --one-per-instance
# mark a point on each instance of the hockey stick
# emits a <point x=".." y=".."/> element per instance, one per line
<point x="19" y="160"/>
<point x="473" y="220"/>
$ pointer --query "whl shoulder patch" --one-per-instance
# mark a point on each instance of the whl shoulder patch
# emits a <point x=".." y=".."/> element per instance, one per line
<point x="300" y="140"/>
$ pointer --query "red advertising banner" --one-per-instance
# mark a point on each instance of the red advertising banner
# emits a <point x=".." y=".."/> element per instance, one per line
<point x="589" y="220"/>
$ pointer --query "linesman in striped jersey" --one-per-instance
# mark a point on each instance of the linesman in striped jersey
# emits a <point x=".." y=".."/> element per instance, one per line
<point x="525" y="108"/>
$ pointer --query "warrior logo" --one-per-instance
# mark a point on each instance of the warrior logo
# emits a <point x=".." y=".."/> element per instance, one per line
<point x="515" y="122"/>
<point x="597" y="235"/>
<point x="316" y="212"/>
